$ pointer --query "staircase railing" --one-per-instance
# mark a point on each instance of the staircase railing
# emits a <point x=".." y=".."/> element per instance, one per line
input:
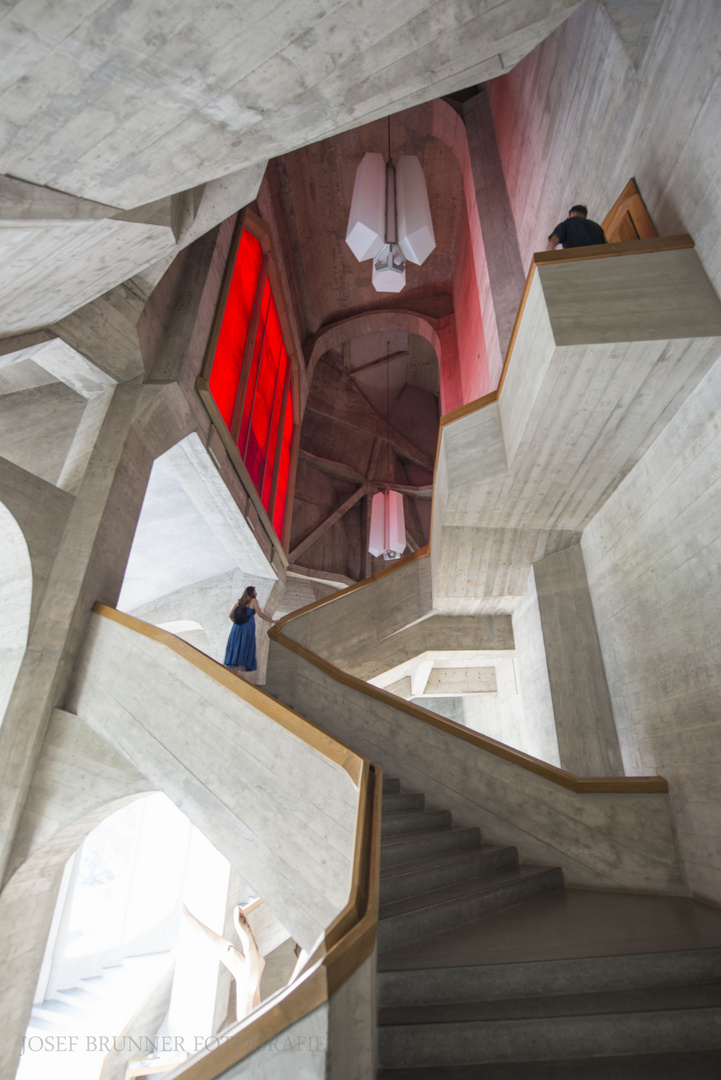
<point x="350" y="939"/>
<point x="332" y="608"/>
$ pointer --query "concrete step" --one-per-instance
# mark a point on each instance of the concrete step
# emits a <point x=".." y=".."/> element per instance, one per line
<point x="391" y="785"/>
<point x="435" y="871"/>
<point x="402" y="849"/>
<point x="409" y="821"/>
<point x="404" y="921"/>
<point x="687" y="1065"/>
<point x="662" y="1020"/>
<point x="80" y="999"/>
<point x="579" y="975"/>
<point x="406" y="800"/>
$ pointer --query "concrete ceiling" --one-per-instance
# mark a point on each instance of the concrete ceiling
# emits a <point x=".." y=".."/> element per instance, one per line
<point x="126" y="102"/>
<point x="118" y="106"/>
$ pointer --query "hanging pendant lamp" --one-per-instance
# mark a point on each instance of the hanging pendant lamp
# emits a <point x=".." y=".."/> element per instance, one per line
<point x="388" y="527"/>
<point x="390" y="218"/>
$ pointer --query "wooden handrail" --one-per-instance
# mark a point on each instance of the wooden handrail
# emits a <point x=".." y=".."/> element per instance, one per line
<point x="580" y="784"/>
<point x="335" y="751"/>
<point x="552" y="258"/>
<point x="350" y="938"/>
<point x="347" y="944"/>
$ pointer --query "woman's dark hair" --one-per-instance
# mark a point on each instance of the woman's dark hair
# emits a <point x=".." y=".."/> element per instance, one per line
<point x="247" y="596"/>
<point x="242" y="611"/>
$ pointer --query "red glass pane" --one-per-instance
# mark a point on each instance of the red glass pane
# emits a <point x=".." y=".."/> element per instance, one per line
<point x="274" y="433"/>
<point x="281" y="491"/>
<point x="252" y="385"/>
<point x="260" y="417"/>
<point x="228" y="360"/>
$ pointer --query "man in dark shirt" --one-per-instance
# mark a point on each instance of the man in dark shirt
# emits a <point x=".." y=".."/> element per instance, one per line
<point x="576" y="231"/>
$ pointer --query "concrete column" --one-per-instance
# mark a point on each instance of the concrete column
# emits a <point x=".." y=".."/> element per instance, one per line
<point x="585" y="726"/>
<point x="498" y="228"/>
<point x="88" y="565"/>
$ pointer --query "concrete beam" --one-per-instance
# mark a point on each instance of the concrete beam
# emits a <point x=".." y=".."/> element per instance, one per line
<point x="587" y="737"/>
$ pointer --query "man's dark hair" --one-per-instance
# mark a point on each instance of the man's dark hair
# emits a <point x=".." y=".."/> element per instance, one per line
<point x="580" y="209"/>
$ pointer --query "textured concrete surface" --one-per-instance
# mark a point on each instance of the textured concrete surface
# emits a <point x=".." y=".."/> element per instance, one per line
<point x="652" y="558"/>
<point x="233" y="787"/>
<point x="600" y="840"/>
<point x="126" y="135"/>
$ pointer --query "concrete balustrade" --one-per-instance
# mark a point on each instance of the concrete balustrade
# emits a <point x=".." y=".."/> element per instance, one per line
<point x="613" y="833"/>
<point x="276" y="797"/>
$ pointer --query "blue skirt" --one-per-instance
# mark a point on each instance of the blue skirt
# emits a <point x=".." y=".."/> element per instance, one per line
<point x="240" y="650"/>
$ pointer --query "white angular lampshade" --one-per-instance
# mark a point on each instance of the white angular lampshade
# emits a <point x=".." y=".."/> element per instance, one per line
<point x="376" y="540"/>
<point x="415" y="228"/>
<point x="389" y="269"/>
<point x="388" y="526"/>
<point x="365" y="235"/>
<point x="395" y="525"/>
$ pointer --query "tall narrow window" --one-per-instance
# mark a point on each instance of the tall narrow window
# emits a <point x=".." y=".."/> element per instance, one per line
<point x="250" y="379"/>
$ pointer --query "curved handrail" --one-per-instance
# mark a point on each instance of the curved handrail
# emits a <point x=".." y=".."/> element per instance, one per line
<point x="348" y="942"/>
<point x="565" y="255"/>
<point x="331" y="748"/>
<point x="350" y="938"/>
<point x="580" y="784"/>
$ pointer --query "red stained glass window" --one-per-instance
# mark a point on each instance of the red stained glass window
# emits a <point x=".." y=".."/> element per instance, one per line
<point x="250" y="379"/>
<point x="284" y="466"/>
<point x="225" y="375"/>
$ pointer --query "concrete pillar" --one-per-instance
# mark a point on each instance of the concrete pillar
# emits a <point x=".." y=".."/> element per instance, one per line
<point x="498" y="228"/>
<point x="587" y="737"/>
<point x="88" y="565"/>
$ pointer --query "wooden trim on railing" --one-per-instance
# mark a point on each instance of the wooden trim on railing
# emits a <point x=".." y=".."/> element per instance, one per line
<point x="550" y="258"/>
<point x="341" y="957"/>
<point x="579" y="784"/>
<point x="332" y="749"/>
<point x="421" y="553"/>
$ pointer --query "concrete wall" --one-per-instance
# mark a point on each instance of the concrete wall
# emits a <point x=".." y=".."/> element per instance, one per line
<point x="606" y="840"/>
<point x="574" y="121"/>
<point x="472" y="355"/>
<point x="653" y="556"/>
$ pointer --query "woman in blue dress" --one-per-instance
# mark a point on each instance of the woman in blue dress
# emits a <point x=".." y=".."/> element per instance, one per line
<point x="240" y="650"/>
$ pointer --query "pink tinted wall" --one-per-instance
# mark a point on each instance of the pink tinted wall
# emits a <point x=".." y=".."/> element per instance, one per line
<point x="475" y="375"/>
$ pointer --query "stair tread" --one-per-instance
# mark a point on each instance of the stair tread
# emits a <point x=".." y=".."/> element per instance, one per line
<point x="398" y="815"/>
<point x="416" y="798"/>
<point x="446" y="858"/>
<point x="411" y="838"/>
<point x="647" y="999"/>
<point x="414" y="821"/>
<point x="481" y="883"/>
<point x="675" y="1065"/>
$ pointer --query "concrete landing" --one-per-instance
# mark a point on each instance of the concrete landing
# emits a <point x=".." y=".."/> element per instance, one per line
<point x="568" y="924"/>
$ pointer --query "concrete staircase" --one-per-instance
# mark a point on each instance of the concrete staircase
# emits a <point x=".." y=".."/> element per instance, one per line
<point x="488" y="968"/>
<point x="98" y="1007"/>
<point x="435" y="876"/>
